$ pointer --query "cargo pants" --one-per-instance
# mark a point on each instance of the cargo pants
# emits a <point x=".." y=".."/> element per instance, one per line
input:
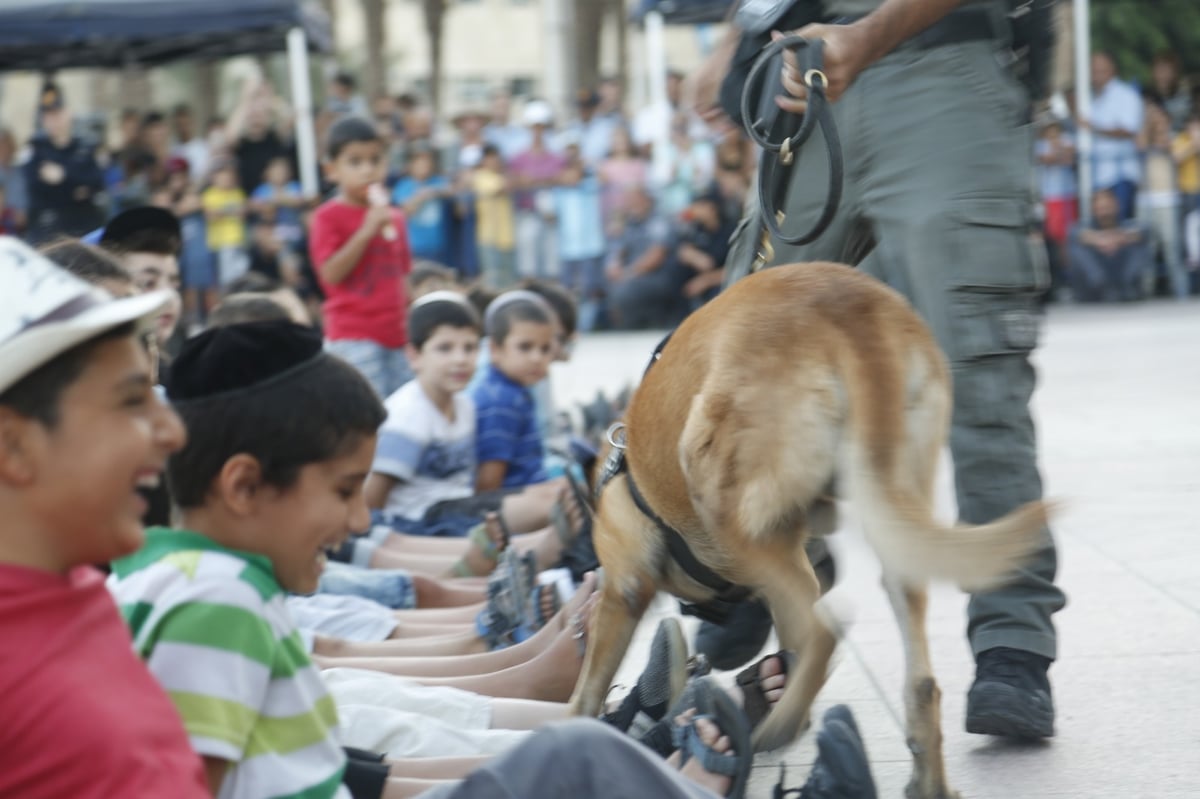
<point x="937" y="204"/>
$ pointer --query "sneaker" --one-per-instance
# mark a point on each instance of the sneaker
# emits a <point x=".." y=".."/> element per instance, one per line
<point x="660" y="683"/>
<point x="842" y="770"/>
<point x="1011" y="695"/>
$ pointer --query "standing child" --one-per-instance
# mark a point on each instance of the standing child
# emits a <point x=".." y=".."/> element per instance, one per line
<point x="225" y="211"/>
<point x="360" y="253"/>
<point x="495" y="232"/>
<point x="425" y="197"/>
<point x="80" y="428"/>
<point x="581" y="243"/>
<point x="509" y="449"/>
<point x="280" y="199"/>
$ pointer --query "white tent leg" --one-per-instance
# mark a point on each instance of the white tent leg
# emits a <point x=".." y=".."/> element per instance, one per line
<point x="306" y="139"/>
<point x="1083" y="103"/>
<point x="656" y="72"/>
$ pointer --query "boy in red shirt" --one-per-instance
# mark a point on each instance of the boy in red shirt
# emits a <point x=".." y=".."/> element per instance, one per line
<point x="81" y="429"/>
<point x="359" y="248"/>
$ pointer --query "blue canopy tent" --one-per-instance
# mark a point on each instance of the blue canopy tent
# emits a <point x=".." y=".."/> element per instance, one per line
<point x="48" y="35"/>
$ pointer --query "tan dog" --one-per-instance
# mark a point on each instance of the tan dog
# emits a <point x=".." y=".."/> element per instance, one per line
<point x="797" y="384"/>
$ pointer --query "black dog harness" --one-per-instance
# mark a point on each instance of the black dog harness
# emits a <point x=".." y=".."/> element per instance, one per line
<point x="728" y="594"/>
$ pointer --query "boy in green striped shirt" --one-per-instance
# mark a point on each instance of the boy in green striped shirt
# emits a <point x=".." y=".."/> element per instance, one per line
<point x="281" y="439"/>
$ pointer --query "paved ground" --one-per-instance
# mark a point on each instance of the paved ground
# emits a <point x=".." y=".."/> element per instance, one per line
<point x="1119" y="418"/>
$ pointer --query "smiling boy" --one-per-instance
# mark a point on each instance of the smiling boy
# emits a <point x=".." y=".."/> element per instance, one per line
<point x="80" y="429"/>
<point x="281" y="440"/>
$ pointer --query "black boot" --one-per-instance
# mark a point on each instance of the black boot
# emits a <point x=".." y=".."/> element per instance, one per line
<point x="1011" y="695"/>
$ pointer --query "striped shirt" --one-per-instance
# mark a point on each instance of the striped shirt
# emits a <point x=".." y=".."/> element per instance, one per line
<point x="212" y="625"/>
<point x="506" y="428"/>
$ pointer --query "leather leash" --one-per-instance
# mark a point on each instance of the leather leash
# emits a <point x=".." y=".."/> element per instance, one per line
<point x="781" y="135"/>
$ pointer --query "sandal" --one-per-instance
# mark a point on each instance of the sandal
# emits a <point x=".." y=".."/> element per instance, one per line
<point x="487" y="546"/>
<point x="714" y="704"/>
<point x="561" y="520"/>
<point x="754" y="699"/>
<point x="535" y="616"/>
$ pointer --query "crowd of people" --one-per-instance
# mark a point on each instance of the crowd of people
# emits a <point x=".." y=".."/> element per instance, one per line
<point x="367" y="573"/>
<point x="495" y="195"/>
<point x="1143" y="237"/>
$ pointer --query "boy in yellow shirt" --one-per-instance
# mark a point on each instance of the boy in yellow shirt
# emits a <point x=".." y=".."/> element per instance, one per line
<point x="225" y="212"/>
<point x="494" y="225"/>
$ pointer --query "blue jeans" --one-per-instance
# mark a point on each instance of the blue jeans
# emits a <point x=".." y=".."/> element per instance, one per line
<point x="385" y="369"/>
<point x="392" y="588"/>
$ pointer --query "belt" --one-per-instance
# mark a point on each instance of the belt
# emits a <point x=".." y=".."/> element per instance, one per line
<point x="960" y="25"/>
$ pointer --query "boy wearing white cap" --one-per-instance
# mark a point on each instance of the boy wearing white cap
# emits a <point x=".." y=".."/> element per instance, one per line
<point x="80" y="430"/>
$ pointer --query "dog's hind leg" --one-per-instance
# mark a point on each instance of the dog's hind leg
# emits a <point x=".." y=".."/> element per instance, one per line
<point x="922" y="697"/>
<point x="791" y="590"/>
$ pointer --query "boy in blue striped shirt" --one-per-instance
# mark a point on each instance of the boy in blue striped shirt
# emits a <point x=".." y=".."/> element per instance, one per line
<point x="508" y="443"/>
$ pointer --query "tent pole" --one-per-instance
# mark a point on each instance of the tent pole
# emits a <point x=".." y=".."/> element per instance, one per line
<point x="306" y="140"/>
<point x="1083" y="103"/>
<point x="656" y="68"/>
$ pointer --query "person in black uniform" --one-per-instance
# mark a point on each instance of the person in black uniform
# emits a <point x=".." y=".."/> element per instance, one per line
<point x="62" y="175"/>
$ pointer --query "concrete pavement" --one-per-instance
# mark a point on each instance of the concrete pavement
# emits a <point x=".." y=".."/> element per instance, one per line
<point x="1119" y="419"/>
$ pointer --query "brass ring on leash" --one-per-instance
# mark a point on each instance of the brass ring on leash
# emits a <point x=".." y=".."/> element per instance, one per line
<point x="812" y="74"/>
<point x="785" y="152"/>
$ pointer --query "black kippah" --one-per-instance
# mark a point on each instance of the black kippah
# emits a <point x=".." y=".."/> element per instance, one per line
<point x="223" y="360"/>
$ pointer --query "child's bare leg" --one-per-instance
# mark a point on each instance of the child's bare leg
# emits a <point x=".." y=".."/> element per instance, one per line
<point x="423" y="544"/>
<point x="526" y="714"/>
<point x="454" y="617"/>
<point x="435" y="768"/>
<point x="529" y="510"/>
<point x="327" y="651"/>
<point x="408" y="787"/>
<point x="430" y="565"/>
<point x="434" y="593"/>
<point x="550" y="676"/>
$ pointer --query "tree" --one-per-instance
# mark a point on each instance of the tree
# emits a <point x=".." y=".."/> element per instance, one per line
<point x="1134" y="30"/>
<point x="375" y="21"/>
<point x="435" y="20"/>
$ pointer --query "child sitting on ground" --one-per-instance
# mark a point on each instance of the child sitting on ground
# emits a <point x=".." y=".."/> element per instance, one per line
<point x="80" y="429"/>
<point x="509" y="450"/>
<point x="260" y="504"/>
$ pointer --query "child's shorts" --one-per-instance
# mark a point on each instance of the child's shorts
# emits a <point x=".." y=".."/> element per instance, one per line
<point x="392" y="588"/>
<point x="349" y="618"/>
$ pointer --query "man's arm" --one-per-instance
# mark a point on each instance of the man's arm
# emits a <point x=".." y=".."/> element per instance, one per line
<point x="849" y="49"/>
<point x="651" y="259"/>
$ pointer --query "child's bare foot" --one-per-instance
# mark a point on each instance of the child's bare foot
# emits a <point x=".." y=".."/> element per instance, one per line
<point x="710" y="734"/>
<point x="485" y="543"/>
<point x="554" y="672"/>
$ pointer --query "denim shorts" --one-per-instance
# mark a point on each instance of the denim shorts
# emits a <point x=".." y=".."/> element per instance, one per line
<point x="386" y="369"/>
<point x="392" y="588"/>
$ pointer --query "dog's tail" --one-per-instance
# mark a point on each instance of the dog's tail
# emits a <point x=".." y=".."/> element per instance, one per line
<point x="914" y="547"/>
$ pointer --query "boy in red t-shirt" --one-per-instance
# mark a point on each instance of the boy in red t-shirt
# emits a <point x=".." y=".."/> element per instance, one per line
<point x="359" y="248"/>
<point x="81" y="429"/>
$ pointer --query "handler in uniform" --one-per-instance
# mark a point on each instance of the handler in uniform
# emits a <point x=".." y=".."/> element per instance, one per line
<point x="937" y="204"/>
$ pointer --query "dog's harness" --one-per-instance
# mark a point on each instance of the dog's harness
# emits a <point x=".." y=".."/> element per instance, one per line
<point x="728" y="594"/>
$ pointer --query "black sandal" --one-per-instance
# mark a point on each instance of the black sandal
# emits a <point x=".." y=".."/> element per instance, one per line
<point x="712" y="703"/>
<point x="754" y="699"/>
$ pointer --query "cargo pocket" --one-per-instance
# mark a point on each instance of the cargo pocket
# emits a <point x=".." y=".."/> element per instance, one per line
<point x="997" y="273"/>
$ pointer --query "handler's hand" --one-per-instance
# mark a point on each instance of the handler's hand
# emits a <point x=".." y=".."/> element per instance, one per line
<point x="846" y="55"/>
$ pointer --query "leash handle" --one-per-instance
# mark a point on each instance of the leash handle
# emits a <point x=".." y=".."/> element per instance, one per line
<point x="791" y="132"/>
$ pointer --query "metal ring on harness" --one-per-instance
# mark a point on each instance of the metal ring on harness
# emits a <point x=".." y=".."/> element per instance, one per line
<point x="611" y="435"/>
<point x="790" y="132"/>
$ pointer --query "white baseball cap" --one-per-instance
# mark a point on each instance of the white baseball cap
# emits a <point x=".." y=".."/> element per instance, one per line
<point x="537" y="112"/>
<point x="45" y="310"/>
